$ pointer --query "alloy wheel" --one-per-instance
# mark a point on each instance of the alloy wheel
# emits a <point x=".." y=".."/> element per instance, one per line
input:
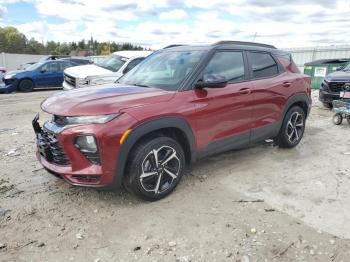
<point x="160" y="168"/>
<point x="295" y="127"/>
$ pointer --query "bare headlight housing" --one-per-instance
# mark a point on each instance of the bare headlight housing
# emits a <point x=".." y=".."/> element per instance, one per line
<point x="76" y="120"/>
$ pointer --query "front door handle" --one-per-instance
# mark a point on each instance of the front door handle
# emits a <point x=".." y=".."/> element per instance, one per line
<point x="287" y="84"/>
<point x="244" y="91"/>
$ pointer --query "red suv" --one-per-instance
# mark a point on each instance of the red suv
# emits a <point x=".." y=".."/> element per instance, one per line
<point x="180" y="104"/>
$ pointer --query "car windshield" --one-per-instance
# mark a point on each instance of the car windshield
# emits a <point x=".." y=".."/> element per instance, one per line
<point x="165" y="70"/>
<point x="35" y="66"/>
<point x="112" y="62"/>
<point x="346" y="68"/>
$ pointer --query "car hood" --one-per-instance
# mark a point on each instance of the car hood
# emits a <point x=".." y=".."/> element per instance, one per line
<point x="102" y="100"/>
<point x="16" y="72"/>
<point x="87" y="70"/>
<point x="339" y="76"/>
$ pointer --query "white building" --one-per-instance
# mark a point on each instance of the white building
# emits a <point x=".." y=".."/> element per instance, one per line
<point x="302" y="55"/>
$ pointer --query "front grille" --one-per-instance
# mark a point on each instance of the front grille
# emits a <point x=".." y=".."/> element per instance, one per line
<point x="69" y="79"/>
<point x="337" y="86"/>
<point x="50" y="149"/>
<point x="85" y="178"/>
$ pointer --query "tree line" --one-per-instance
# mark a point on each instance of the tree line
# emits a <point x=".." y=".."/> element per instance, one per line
<point x="13" y="41"/>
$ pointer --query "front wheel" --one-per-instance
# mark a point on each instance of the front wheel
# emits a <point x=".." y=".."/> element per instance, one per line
<point x="292" y="129"/>
<point x="155" y="168"/>
<point x="26" y="85"/>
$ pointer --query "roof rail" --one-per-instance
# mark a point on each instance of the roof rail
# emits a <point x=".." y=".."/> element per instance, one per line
<point x="244" y="43"/>
<point x="170" y="46"/>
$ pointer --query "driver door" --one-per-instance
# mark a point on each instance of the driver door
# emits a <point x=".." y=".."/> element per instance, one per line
<point x="224" y="115"/>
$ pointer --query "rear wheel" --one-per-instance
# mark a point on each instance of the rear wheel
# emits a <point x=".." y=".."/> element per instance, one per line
<point x="155" y="168"/>
<point x="26" y="85"/>
<point x="337" y="119"/>
<point x="292" y="129"/>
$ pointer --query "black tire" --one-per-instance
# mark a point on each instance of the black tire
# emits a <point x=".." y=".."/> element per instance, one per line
<point x="26" y="85"/>
<point x="142" y="164"/>
<point x="327" y="105"/>
<point x="337" y="119"/>
<point x="292" y="129"/>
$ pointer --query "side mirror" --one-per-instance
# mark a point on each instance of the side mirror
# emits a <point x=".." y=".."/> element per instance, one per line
<point x="211" y="81"/>
<point x="43" y="71"/>
<point x="339" y="68"/>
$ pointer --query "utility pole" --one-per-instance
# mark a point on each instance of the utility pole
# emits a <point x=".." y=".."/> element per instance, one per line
<point x="254" y="37"/>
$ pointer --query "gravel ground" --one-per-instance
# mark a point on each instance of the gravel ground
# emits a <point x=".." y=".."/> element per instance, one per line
<point x="257" y="204"/>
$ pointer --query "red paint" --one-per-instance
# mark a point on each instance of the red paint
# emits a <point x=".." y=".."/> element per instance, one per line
<point x="211" y="113"/>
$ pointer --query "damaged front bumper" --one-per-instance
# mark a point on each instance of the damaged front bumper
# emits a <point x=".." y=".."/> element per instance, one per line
<point x="51" y="153"/>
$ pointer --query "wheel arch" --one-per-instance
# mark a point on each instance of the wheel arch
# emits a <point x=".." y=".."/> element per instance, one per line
<point x="299" y="99"/>
<point x="174" y="126"/>
<point x="26" y="78"/>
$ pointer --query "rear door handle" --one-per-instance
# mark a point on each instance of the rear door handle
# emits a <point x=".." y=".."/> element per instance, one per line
<point x="286" y="84"/>
<point x="244" y="91"/>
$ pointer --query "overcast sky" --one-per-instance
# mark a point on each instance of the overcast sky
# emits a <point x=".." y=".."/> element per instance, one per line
<point x="284" y="23"/>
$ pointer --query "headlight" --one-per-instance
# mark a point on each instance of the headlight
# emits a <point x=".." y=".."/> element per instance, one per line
<point x="9" y="76"/>
<point x="103" y="80"/>
<point x="83" y="82"/>
<point x="75" y="120"/>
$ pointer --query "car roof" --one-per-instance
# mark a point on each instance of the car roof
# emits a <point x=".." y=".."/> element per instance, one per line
<point x="73" y="58"/>
<point x="228" y="45"/>
<point x="132" y="53"/>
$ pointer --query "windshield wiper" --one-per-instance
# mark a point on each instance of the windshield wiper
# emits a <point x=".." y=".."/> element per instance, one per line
<point x="140" y="85"/>
<point x="106" y="67"/>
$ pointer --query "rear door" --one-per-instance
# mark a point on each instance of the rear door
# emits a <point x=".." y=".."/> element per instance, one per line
<point x="50" y="74"/>
<point x="223" y="115"/>
<point x="268" y="93"/>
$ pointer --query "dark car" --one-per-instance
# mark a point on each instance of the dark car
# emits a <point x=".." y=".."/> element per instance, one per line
<point x="333" y="84"/>
<point x="53" y="57"/>
<point x="177" y="106"/>
<point x="39" y="75"/>
<point x="78" y="61"/>
<point x="24" y="66"/>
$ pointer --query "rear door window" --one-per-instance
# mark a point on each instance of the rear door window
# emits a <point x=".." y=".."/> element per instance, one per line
<point x="225" y="66"/>
<point x="51" y="67"/>
<point x="262" y="65"/>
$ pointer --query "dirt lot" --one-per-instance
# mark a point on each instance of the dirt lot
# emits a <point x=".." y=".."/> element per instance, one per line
<point x="257" y="204"/>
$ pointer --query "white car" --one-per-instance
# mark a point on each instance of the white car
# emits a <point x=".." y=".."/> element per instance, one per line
<point x="109" y="70"/>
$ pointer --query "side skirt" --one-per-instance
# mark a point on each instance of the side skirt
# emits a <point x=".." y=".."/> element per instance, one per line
<point x="240" y="141"/>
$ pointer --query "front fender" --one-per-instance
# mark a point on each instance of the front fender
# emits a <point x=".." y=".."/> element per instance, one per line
<point x="145" y="128"/>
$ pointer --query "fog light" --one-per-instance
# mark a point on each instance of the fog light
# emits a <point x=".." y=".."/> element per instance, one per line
<point x="86" y="144"/>
<point x="88" y="147"/>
